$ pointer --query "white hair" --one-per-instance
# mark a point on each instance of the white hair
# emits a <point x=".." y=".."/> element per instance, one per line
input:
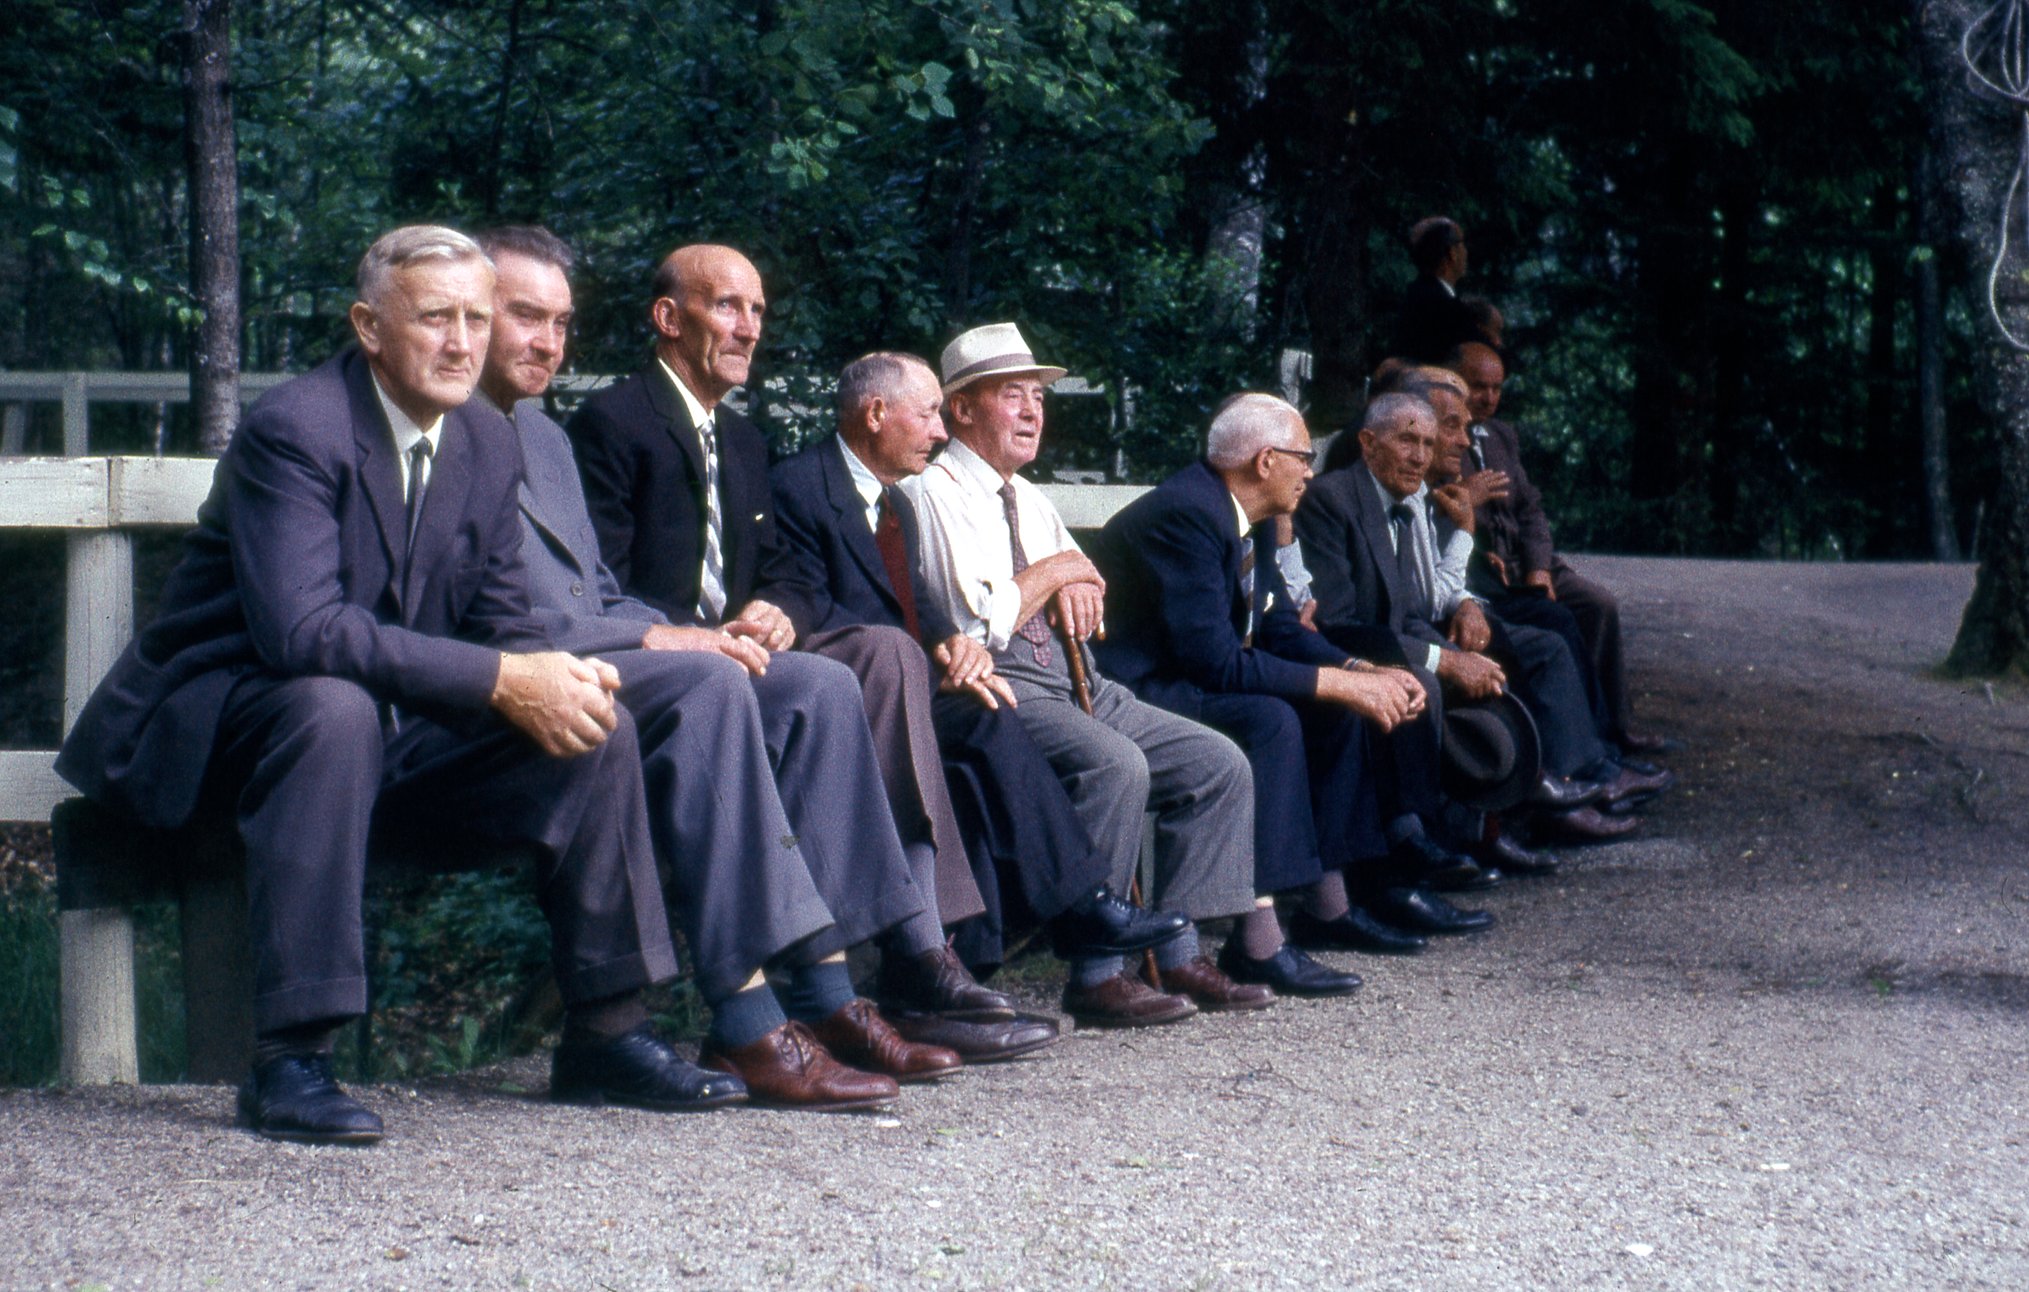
<point x="1247" y="424"/>
<point x="1388" y="412"/>
<point x="400" y="248"/>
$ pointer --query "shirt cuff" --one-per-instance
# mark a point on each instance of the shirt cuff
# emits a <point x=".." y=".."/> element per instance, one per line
<point x="1433" y="655"/>
<point x="1003" y="602"/>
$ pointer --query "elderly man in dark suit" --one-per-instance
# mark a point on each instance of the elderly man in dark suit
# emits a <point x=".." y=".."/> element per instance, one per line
<point x="1516" y="566"/>
<point x="1372" y="543"/>
<point x="677" y="485"/>
<point x="1199" y="626"/>
<point x="753" y="881"/>
<point x="346" y="650"/>
<point x="854" y="535"/>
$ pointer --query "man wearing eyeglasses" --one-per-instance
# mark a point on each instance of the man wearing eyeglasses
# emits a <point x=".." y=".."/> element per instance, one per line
<point x="1199" y="626"/>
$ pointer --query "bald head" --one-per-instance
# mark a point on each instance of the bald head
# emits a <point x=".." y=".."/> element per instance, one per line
<point x="707" y="316"/>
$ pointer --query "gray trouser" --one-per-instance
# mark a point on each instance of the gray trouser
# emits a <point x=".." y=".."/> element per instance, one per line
<point x="1128" y="758"/>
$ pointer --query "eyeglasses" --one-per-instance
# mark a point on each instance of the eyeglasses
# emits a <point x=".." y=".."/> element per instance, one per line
<point x="1306" y="456"/>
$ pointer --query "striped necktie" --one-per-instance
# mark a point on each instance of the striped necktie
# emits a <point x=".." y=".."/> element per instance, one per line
<point x="711" y="598"/>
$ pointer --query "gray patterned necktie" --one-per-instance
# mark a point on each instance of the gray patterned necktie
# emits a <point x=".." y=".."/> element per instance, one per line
<point x="1035" y="629"/>
<point x="1409" y="562"/>
<point x="711" y="598"/>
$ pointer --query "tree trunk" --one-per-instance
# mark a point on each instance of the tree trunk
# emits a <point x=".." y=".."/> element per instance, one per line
<point x="1978" y="140"/>
<point x="1887" y="527"/>
<point x="211" y="154"/>
<point x="1930" y="235"/>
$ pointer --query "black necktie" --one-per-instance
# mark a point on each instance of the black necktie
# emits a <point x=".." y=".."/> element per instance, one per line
<point x="419" y="458"/>
<point x="1409" y="570"/>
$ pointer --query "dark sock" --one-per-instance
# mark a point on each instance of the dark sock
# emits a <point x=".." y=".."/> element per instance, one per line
<point x="1327" y="898"/>
<point x="1179" y="950"/>
<point x="301" y="1039"/>
<point x="606" y="1019"/>
<point x="1260" y="933"/>
<point x="1406" y="826"/>
<point x="744" y="1018"/>
<point x="816" y="992"/>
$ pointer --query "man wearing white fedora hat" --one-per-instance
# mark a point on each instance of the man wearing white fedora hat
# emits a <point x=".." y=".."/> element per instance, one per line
<point x="1004" y="568"/>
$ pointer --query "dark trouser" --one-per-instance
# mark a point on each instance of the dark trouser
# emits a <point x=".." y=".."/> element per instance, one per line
<point x="894" y="677"/>
<point x="1544" y="677"/>
<point x="1291" y="823"/>
<point x="1598" y="614"/>
<point x="740" y="887"/>
<point x="1537" y="611"/>
<point x="1017" y="823"/>
<point x="830" y="782"/>
<point x="310" y="772"/>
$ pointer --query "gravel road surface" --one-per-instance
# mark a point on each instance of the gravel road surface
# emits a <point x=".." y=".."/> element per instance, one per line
<point x="1778" y="1040"/>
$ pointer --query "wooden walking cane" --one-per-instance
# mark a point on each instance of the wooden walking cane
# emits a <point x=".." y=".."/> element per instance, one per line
<point x="1074" y="655"/>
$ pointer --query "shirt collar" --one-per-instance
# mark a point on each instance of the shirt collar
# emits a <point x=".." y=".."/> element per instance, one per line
<point x="1239" y="513"/>
<point x="866" y="482"/>
<point x="1449" y="290"/>
<point x="406" y="432"/>
<point x="699" y="414"/>
<point x="965" y="465"/>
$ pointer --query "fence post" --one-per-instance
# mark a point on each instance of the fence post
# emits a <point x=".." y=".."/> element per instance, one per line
<point x="97" y="946"/>
<point x="76" y="417"/>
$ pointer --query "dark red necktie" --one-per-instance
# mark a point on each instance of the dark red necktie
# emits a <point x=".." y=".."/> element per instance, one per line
<point x="895" y="555"/>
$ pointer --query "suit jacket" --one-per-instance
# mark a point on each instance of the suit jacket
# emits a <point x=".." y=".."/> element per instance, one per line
<point x="575" y="596"/>
<point x="643" y="468"/>
<point x="294" y="570"/>
<point x="839" y="578"/>
<point x="1177" y="614"/>
<point x="1432" y="322"/>
<point x="1343" y="527"/>
<point x="1514" y="528"/>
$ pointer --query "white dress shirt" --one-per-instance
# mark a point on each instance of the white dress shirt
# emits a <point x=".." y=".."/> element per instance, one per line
<point x="865" y="483"/>
<point x="1443" y="591"/>
<point x="407" y="433"/>
<point x="967" y="562"/>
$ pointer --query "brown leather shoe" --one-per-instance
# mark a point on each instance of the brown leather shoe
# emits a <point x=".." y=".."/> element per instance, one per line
<point x="937" y="982"/>
<point x="1589" y="825"/>
<point x="1634" y="786"/>
<point x="789" y="1069"/>
<point x="1211" y="990"/>
<point x="857" y="1034"/>
<point x="1124" y="1001"/>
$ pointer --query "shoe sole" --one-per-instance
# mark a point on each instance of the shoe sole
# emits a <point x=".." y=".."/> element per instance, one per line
<point x="839" y="1106"/>
<point x="1234" y="1007"/>
<point x="1114" y="1023"/>
<point x="600" y="1099"/>
<point x="1012" y="1052"/>
<point x="346" y="1139"/>
<point x="1376" y="950"/>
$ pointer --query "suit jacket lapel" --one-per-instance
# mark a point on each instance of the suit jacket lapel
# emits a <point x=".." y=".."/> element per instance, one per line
<point x="675" y="414"/>
<point x="539" y="461"/>
<point x="1380" y="540"/>
<point x="852" y="521"/>
<point x="443" y="504"/>
<point x="378" y="469"/>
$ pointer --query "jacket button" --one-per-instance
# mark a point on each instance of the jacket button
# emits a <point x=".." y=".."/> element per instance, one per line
<point x="577" y="589"/>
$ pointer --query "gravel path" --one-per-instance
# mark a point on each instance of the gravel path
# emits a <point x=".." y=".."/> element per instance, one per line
<point x="1777" y="1040"/>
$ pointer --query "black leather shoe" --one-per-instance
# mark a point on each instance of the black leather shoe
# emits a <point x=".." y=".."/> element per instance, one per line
<point x="1642" y="765"/>
<point x="1631" y="786"/>
<point x="1102" y="923"/>
<point x="1289" y="971"/>
<point x="641" y="1070"/>
<point x="1425" y="912"/>
<point x="294" y="1097"/>
<point x="1590" y="825"/>
<point x="1431" y="865"/>
<point x="1563" y="793"/>
<point x="1648" y="742"/>
<point x="937" y="982"/>
<point x="1514" y="859"/>
<point x="1354" y="931"/>
<point x="978" y="1042"/>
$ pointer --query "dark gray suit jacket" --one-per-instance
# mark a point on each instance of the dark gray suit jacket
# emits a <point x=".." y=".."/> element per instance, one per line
<point x="1515" y="528"/>
<point x="576" y="597"/>
<point x="293" y="571"/>
<point x="1344" y="531"/>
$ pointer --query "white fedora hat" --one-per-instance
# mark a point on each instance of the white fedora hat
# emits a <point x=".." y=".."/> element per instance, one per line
<point x="991" y="351"/>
